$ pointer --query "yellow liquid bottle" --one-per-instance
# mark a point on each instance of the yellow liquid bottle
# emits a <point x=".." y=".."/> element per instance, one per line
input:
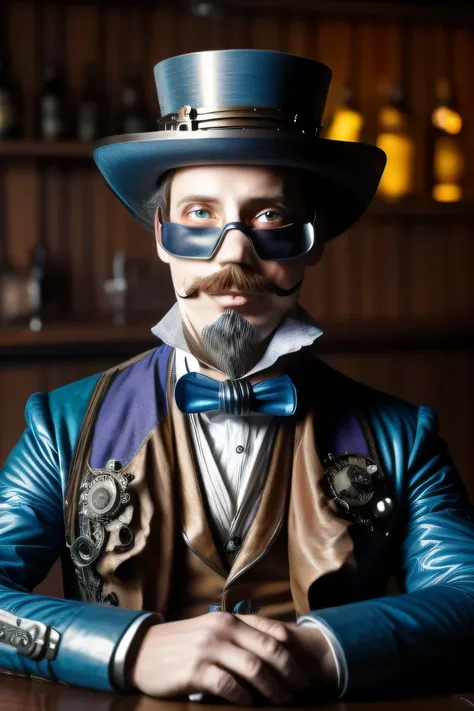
<point x="395" y="139"/>
<point x="447" y="156"/>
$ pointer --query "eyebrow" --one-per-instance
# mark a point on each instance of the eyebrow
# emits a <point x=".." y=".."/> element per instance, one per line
<point x="280" y="198"/>
<point x="196" y="198"/>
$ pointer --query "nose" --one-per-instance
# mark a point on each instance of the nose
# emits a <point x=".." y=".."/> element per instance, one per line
<point x="235" y="248"/>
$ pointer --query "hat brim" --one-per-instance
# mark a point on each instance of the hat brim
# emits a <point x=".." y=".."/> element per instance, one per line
<point x="347" y="173"/>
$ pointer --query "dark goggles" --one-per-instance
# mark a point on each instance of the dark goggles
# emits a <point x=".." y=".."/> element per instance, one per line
<point x="281" y="243"/>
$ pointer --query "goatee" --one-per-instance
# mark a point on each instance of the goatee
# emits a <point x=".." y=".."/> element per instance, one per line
<point x="229" y="341"/>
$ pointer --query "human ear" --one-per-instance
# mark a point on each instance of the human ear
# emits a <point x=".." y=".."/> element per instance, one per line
<point x="162" y="254"/>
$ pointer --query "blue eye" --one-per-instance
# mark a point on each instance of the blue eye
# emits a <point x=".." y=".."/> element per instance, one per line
<point x="201" y="214"/>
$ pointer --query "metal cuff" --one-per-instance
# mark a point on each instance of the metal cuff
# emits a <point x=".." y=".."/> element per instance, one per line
<point x="30" y="638"/>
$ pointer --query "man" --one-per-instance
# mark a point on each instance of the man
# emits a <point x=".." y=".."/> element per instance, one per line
<point x="235" y="506"/>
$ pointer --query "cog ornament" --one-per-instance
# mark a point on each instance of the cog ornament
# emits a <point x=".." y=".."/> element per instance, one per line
<point x="358" y="487"/>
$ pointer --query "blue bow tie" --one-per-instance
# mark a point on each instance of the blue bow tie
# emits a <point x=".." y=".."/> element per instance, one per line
<point x="197" y="393"/>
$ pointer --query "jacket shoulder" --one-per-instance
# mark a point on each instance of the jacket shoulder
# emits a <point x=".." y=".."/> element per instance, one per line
<point x="391" y="418"/>
<point x="67" y="401"/>
<point x="337" y="384"/>
<point x="56" y="418"/>
<point x="72" y="399"/>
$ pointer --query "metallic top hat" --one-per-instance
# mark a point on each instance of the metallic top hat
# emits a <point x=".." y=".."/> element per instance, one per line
<point x="243" y="107"/>
<point x="275" y="81"/>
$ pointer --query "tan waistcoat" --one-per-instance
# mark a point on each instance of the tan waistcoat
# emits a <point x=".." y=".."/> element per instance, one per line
<point x="174" y="566"/>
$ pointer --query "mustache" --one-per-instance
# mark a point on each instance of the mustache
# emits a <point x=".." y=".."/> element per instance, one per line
<point x="234" y="278"/>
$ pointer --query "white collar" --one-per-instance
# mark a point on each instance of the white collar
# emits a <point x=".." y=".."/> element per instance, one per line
<point x="293" y="334"/>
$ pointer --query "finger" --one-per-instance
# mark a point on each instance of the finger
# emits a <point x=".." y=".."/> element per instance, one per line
<point x="220" y="682"/>
<point x="278" y="630"/>
<point x="271" y="650"/>
<point x="253" y="670"/>
<point x="281" y="631"/>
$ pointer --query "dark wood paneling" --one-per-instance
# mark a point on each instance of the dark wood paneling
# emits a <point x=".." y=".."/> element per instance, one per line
<point x="22" y="199"/>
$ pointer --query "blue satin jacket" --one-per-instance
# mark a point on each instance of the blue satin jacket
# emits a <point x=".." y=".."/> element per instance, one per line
<point x="418" y="638"/>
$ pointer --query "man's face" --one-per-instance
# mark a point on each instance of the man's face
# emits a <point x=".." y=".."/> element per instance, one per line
<point x="214" y="196"/>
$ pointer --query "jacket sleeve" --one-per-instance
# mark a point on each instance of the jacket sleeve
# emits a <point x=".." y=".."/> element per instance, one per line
<point x="31" y="538"/>
<point x="421" y="639"/>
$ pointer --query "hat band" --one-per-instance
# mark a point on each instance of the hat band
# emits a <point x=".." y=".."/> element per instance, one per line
<point x="190" y="119"/>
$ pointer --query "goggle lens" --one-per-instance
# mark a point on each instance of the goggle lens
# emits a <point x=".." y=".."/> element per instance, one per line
<point x="280" y="244"/>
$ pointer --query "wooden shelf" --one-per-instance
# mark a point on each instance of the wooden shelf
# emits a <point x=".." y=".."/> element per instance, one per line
<point x="74" y="333"/>
<point x="419" y="208"/>
<point x="88" y="340"/>
<point x="46" y="150"/>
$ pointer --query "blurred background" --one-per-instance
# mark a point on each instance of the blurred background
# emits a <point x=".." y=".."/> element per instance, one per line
<point x="80" y="283"/>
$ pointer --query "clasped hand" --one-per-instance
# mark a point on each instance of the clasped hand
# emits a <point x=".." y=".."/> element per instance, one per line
<point x="235" y="657"/>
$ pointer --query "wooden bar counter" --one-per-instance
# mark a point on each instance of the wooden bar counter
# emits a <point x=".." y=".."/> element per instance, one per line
<point x="19" y="694"/>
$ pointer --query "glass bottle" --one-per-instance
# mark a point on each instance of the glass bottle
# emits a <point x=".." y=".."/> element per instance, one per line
<point x="53" y="106"/>
<point x="88" y="119"/>
<point x="36" y="287"/>
<point x="348" y="122"/>
<point x="394" y="138"/>
<point x="447" y="154"/>
<point x="133" y="114"/>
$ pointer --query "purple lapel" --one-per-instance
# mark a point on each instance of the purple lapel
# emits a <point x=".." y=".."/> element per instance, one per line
<point x="134" y="405"/>
<point x="347" y="436"/>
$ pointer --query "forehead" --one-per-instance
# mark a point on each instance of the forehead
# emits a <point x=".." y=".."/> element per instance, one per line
<point x="235" y="182"/>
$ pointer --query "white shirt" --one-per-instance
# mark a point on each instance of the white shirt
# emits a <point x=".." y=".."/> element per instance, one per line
<point x="232" y="454"/>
